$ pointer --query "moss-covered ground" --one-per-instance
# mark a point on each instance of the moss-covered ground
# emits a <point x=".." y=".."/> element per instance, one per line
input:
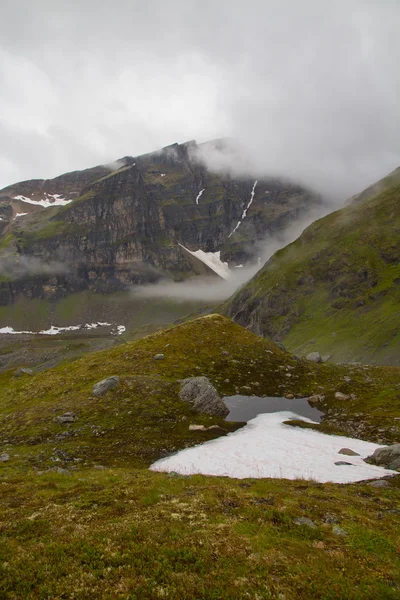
<point x="106" y="527"/>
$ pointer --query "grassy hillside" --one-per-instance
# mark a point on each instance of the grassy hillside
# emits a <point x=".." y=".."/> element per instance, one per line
<point x="103" y="526"/>
<point x="336" y="289"/>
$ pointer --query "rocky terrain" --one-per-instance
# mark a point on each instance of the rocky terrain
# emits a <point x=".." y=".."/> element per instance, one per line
<point x="335" y="290"/>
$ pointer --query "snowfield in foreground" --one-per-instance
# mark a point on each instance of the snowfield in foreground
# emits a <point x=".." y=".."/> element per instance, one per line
<point x="266" y="447"/>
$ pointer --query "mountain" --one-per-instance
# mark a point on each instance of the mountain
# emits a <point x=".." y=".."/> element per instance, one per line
<point x="336" y="289"/>
<point x="139" y="220"/>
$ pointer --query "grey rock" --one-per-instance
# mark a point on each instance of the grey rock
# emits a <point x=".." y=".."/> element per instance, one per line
<point x="202" y="396"/>
<point x="385" y="456"/>
<point x="4" y="457"/>
<point x="395" y="465"/>
<point x="348" y="452"/>
<point x="305" y="521"/>
<point x="314" y="357"/>
<point x="341" y="396"/>
<point x="340" y="463"/>
<point x="339" y="531"/>
<point x="326" y="357"/>
<point x="225" y="352"/>
<point x="105" y="385"/>
<point x="379" y="483"/>
<point x="159" y="357"/>
<point x="20" y="372"/>
<point x="316" y="399"/>
<point x="68" y="417"/>
<point x="62" y="471"/>
<point x="197" y="427"/>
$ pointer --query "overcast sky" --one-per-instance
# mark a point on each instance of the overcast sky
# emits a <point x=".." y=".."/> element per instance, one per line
<point x="310" y="87"/>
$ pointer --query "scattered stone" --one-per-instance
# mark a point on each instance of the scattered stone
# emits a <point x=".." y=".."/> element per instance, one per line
<point x="340" y="463"/>
<point x="330" y="519"/>
<point x="386" y="456"/>
<point x="341" y="396"/>
<point x="225" y="352"/>
<point x="348" y="452"/>
<point x="159" y="357"/>
<point x="20" y="372"/>
<point x="203" y="396"/>
<point x="280" y="346"/>
<point x="4" y="457"/>
<point x="379" y="483"/>
<point x="226" y="381"/>
<point x="197" y="428"/>
<point x="105" y="385"/>
<point x="62" y="471"/>
<point x="289" y="396"/>
<point x="68" y="417"/>
<point x="99" y="467"/>
<point x="316" y="399"/>
<point x="336" y="530"/>
<point x="305" y="521"/>
<point x="314" y="357"/>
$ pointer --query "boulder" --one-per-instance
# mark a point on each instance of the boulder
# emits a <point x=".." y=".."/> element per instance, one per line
<point x="22" y="371"/>
<point x="202" y="396"/>
<point x="388" y="456"/>
<point x="379" y="483"/>
<point x="68" y="417"/>
<point x="336" y="530"/>
<point x="348" y="452"/>
<point x="314" y="357"/>
<point x="101" y="387"/>
<point x="341" y="463"/>
<point x="305" y="521"/>
<point x="4" y="457"/>
<point x="159" y="357"/>
<point x="341" y="396"/>
<point x="316" y="399"/>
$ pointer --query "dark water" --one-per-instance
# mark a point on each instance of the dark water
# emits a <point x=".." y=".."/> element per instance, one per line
<point x="244" y="408"/>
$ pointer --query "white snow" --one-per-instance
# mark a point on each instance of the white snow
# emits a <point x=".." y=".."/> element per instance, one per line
<point x="199" y="195"/>
<point x="57" y="330"/>
<point x="212" y="260"/>
<point x="162" y="174"/>
<point x="239" y="266"/>
<point x="244" y="213"/>
<point x="19" y="215"/>
<point x="58" y="200"/>
<point x="266" y="447"/>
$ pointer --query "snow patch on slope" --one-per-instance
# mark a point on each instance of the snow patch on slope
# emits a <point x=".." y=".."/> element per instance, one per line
<point x="118" y="330"/>
<point x="266" y="447"/>
<point x="244" y="213"/>
<point x="199" y="195"/>
<point x="212" y="260"/>
<point x="57" y="200"/>
<point x="20" y="215"/>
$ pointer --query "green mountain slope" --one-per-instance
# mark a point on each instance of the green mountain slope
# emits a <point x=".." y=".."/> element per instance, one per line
<point x="336" y="289"/>
<point x="82" y="517"/>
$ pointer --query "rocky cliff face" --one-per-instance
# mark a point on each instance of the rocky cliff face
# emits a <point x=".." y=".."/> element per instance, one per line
<point x="104" y="229"/>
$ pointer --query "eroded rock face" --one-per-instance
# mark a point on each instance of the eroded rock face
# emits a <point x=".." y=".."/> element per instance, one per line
<point x="314" y="357"/>
<point x="105" y="385"/>
<point x="123" y="227"/>
<point x="388" y="456"/>
<point x="203" y="397"/>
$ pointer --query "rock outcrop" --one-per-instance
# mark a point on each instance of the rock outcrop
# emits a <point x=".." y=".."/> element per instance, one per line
<point x="388" y="457"/>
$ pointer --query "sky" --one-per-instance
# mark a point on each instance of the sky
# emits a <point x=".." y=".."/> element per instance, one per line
<point x="309" y="88"/>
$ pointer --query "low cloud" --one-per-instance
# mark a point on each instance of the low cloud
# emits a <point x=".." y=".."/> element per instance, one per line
<point x="28" y="266"/>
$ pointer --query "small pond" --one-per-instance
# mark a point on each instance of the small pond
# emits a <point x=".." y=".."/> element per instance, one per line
<point x="244" y="408"/>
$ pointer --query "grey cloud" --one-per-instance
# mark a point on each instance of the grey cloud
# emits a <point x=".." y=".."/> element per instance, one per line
<point x="22" y="266"/>
<point x="309" y="89"/>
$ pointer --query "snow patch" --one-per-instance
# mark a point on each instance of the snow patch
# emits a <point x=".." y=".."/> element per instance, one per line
<point x="212" y="260"/>
<point x="162" y="174"/>
<point x="19" y="215"/>
<point x="199" y="195"/>
<point x="244" y="213"/>
<point x="120" y="329"/>
<point x="58" y="200"/>
<point x="266" y="447"/>
<point x="239" y="266"/>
